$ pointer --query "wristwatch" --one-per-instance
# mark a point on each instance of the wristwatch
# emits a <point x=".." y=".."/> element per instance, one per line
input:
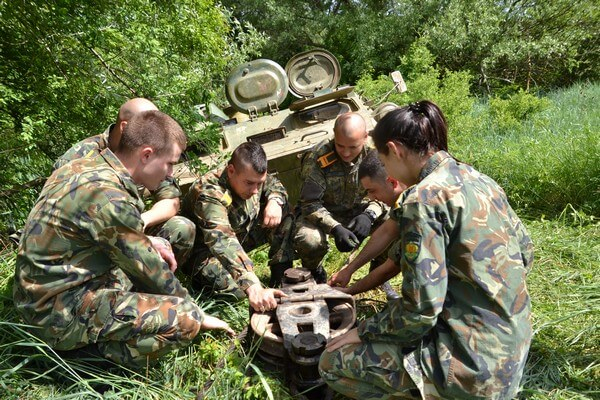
<point x="278" y="200"/>
<point x="371" y="214"/>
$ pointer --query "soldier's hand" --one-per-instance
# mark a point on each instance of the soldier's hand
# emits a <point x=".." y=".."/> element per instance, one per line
<point x="345" y="240"/>
<point x="272" y="214"/>
<point x="211" y="322"/>
<point x="340" y="278"/>
<point x="163" y="247"/>
<point x="361" y="226"/>
<point x="347" y="290"/>
<point x="262" y="299"/>
<point x="350" y="337"/>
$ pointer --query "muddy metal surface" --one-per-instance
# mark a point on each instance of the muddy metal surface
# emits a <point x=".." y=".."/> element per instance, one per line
<point x="291" y="338"/>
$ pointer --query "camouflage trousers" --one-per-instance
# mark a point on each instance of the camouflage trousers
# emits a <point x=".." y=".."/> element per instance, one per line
<point x="180" y="232"/>
<point x="310" y="242"/>
<point x="208" y="272"/>
<point x="130" y="328"/>
<point x="375" y="371"/>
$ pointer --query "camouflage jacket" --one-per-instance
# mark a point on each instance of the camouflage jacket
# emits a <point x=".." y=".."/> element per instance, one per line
<point x="225" y="220"/>
<point x="89" y="147"/>
<point x="84" y="231"/>
<point x="465" y="306"/>
<point x="331" y="190"/>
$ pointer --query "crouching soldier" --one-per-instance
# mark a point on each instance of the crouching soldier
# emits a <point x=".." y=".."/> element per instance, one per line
<point x="161" y="218"/>
<point x="237" y="209"/>
<point x="332" y="202"/>
<point x="83" y="251"/>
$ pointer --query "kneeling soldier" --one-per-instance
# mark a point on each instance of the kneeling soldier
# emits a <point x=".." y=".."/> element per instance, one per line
<point x="237" y="209"/>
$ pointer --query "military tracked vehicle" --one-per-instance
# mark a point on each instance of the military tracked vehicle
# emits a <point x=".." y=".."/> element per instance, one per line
<point x="255" y="91"/>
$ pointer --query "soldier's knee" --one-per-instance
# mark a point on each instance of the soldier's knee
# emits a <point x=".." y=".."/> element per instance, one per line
<point x="326" y="369"/>
<point x="182" y="230"/>
<point x="310" y="242"/>
<point x="189" y="321"/>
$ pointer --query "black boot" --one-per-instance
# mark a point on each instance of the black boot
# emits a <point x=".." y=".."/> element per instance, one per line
<point x="277" y="271"/>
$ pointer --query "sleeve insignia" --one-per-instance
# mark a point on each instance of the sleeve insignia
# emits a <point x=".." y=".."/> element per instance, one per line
<point x="226" y="199"/>
<point x="327" y="159"/>
<point x="412" y="247"/>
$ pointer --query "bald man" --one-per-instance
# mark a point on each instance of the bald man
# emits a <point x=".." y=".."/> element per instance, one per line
<point x="332" y="201"/>
<point x="161" y="218"/>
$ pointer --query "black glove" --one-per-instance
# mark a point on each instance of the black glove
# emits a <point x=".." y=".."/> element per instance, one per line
<point x="361" y="226"/>
<point x="345" y="240"/>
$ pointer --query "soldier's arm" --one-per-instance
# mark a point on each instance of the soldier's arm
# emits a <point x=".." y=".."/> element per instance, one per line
<point x="222" y="241"/>
<point x="166" y="203"/>
<point x="273" y="202"/>
<point x="117" y="228"/>
<point x="160" y="212"/>
<point x="378" y="276"/>
<point x="380" y="239"/>
<point x="311" y="195"/>
<point x="274" y="189"/>
<point x="422" y="255"/>
<point x="377" y="207"/>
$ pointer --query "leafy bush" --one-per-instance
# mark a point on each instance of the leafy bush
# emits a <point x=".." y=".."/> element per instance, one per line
<point x="450" y="89"/>
<point x="508" y="114"/>
<point x="67" y="67"/>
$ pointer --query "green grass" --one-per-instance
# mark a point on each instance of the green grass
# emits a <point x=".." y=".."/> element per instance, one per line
<point x="564" y="361"/>
<point x="550" y="167"/>
<point x="549" y="160"/>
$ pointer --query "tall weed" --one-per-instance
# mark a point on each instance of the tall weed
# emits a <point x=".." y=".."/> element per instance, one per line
<point x="546" y="161"/>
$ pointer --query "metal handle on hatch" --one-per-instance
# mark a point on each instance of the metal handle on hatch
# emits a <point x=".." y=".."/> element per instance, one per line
<point x="310" y="134"/>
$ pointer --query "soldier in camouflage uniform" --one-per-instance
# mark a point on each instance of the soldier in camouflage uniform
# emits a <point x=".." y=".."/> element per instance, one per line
<point x="161" y="219"/>
<point x="331" y="199"/>
<point x="379" y="186"/>
<point x="462" y="328"/>
<point x="237" y="209"/>
<point x="83" y="250"/>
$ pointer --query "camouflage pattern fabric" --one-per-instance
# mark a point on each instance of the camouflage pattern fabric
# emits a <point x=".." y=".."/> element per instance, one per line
<point x="464" y="256"/>
<point x="81" y="252"/>
<point x="331" y="194"/>
<point x="230" y="227"/>
<point x="88" y="147"/>
<point x="179" y="231"/>
<point x="368" y="371"/>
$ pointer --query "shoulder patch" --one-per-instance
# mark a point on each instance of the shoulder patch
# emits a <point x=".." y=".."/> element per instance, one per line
<point x="226" y="199"/>
<point x="412" y="246"/>
<point x="327" y="159"/>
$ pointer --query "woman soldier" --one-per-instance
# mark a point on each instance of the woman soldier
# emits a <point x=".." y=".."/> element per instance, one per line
<point x="462" y="328"/>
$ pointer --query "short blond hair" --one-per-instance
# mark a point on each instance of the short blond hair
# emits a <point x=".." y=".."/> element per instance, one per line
<point x="154" y="129"/>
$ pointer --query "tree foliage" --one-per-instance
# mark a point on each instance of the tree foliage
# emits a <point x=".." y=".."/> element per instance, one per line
<point x="451" y="91"/>
<point x="514" y="43"/>
<point x="68" y="65"/>
<point x="523" y="43"/>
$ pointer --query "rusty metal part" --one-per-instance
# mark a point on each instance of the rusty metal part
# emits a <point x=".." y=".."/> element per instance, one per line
<point x="304" y="376"/>
<point x="296" y="275"/>
<point x="294" y="335"/>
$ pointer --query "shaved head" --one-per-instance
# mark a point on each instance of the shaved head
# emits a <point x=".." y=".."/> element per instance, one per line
<point x="349" y="136"/>
<point x="126" y="112"/>
<point x="134" y="106"/>
<point x="350" y="125"/>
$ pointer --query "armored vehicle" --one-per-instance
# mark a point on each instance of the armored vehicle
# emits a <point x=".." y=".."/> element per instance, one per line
<point x="255" y="91"/>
